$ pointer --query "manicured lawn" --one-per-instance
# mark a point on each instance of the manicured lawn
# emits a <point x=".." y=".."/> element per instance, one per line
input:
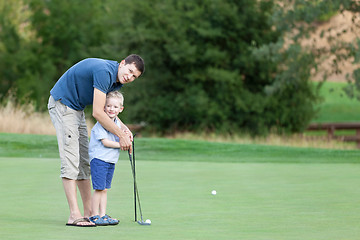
<point x="263" y="192"/>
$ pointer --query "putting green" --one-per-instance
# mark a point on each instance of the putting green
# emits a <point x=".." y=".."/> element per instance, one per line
<point x="253" y="201"/>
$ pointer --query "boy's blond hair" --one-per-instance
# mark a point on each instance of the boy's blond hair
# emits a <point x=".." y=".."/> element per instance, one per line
<point x="116" y="94"/>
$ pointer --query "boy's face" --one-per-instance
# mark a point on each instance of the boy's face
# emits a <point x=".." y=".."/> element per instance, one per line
<point x="127" y="73"/>
<point x="113" y="107"/>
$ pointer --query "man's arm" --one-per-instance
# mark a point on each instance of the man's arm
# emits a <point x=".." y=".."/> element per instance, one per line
<point x="125" y="129"/>
<point x="99" y="114"/>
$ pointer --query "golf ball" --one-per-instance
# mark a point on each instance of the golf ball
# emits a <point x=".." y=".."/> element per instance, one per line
<point x="148" y="221"/>
<point x="213" y="192"/>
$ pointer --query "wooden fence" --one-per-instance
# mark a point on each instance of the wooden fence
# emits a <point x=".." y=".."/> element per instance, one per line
<point x="332" y="127"/>
<point x="329" y="127"/>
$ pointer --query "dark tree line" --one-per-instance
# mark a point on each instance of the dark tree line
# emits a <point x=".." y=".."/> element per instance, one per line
<point x="212" y="65"/>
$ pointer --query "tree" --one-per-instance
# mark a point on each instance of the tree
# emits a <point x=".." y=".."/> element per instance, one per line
<point x="62" y="33"/>
<point x="301" y="19"/>
<point x="216" y="66"/>
<point x="15" y="32"/>
<point x="212" y="65"/>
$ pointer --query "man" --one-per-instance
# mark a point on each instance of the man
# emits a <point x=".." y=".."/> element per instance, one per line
<point x="86" y="83"/>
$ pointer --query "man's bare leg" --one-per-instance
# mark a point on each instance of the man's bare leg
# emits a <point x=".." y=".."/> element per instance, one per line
<point x="85" y="192"/>
<point x="71" y="196"/>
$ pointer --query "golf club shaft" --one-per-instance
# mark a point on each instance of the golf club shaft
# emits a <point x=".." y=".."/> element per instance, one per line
<point x="133" y="166"/>
<point x="136" y="192"/>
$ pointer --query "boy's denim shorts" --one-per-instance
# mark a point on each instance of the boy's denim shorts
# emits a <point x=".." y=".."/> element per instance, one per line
<point x="101" y="174"/>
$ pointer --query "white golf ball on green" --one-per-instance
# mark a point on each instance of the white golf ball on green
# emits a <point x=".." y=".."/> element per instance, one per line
<point x="213" y="192"/>
<point x="147" y="221"/>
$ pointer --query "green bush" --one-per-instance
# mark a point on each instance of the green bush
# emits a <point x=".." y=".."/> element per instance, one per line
<point x="210" y="66"/>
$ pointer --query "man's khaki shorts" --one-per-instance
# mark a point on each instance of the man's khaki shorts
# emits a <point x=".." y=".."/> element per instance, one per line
<point x="72" y="139"/>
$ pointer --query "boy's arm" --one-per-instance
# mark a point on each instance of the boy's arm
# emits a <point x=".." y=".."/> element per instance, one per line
<point x="110" y="144"/>
<point x="105" y="121"/>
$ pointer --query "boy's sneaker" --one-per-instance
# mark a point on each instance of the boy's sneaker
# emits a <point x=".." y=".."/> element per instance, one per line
<point x="98" y="220"/>
<point x="111" y="221"/>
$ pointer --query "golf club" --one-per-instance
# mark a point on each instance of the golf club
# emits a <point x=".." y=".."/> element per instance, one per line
<point x="134" y="174"/>
<point x="136" y="192"/>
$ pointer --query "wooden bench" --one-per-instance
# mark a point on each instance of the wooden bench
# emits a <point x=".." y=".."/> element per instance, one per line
<point x="331" y="127"/>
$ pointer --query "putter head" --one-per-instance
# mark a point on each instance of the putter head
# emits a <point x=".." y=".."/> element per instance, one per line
<point x="143" y="223"/>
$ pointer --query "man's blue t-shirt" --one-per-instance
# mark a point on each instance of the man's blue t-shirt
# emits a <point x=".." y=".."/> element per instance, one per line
<point x="75" y="88"/>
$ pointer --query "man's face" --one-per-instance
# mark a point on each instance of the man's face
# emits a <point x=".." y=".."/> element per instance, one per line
<point x="127" y="73"/>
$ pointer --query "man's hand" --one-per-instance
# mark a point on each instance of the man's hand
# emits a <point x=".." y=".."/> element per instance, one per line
<point x="128" y="133"/>
<point x="125" y="142"/>
<point x="126" y="130"/>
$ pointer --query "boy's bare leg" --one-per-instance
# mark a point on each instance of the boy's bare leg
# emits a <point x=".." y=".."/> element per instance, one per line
<point x="99" y="201"/>
<point x="103" y="202"/>
<point x="95" y="203"/>
<point x="71" y="196"/>
<point x="85" y="192"/>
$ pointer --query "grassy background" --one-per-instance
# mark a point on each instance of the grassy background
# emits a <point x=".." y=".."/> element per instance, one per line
<point x="337" y="107"/>
<point x="161" y="149"/>
<point x="264" y="192"/>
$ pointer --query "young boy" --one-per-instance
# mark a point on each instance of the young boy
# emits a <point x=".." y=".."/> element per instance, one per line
<point x="104" y="153"/>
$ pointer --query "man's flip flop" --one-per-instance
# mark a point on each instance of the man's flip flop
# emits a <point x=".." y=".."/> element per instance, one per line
<point x="75" y="223"/>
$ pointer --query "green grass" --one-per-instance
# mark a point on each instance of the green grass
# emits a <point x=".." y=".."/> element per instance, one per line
<point x="337" y="107"/>
<point x="28" y="145"/>
<point x="264" y="192"/>
<point x="160" y="149"/>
